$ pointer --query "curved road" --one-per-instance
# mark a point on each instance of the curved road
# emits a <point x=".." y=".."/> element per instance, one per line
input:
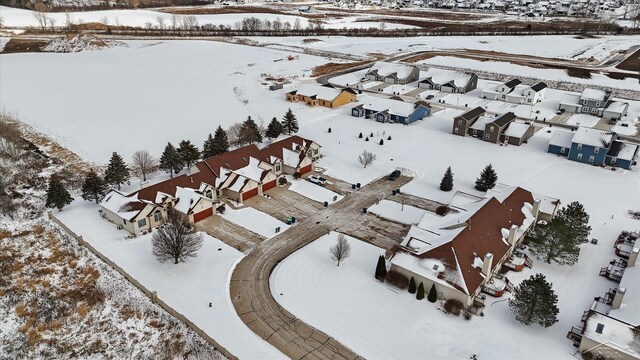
<point x="251" y="294"/>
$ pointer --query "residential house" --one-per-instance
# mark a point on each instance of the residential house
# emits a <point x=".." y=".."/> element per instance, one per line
<point x="314" y="95"/>
<point x="515" y="92"/>
<point x="594" y="102"/>
<point x="615" y="110"/>
<point x="517" y="133"/>
<point x="493" y="131"/>
<point x="393" y="73"/>
<point x="462" y="123"/>
<point x="622" y="154"/>
<point x="128" y="212"/>
<point x="448" y="81"/>
<point x="462" y="253"/>
<point x="499" y="91"/>
<point x="560" y="142"/>
<point x="390" y="110"/>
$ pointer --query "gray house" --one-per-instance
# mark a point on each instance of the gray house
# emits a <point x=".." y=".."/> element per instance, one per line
<point x="393" y="73"/>
<point x="448" y="81"/>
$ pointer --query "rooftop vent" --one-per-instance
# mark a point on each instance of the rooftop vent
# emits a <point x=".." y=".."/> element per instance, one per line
<point x="435" y="267"/>
<point x="599" y="328"/>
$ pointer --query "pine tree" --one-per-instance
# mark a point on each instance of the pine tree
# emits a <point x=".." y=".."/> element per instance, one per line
<point x="381" y="268"/>
<point x="57" y="196"/>
<point x="433" y="294"/>
<point x="412" y="286"/>
<point x="381" y="142"/>
<point x="117" y="172"/>
<point x="360" y="136"/>
<point x="389" y="138"/>
<point x="220" y="142"/>
<point x="577" y="221"/>
<point x="534" y="301"/>
<point x="367" y="139"/>
<point x="93" y="187"/>
<point x="420" y="293"/>
<point x="189" y="153"/>
<point x="289" y="123"/>
<point x="554" y="241"/>
<point x="275" y="129"/>
<point x="207" y="147"/>
<point x="249" y="132"/>
<point x="329" y="131"/>
<point x="170" y="161"/>
<point x="487" y="179"/>
<point x="447" y="180"/>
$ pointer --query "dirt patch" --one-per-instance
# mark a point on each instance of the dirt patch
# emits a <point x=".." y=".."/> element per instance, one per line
<point x="632" y="63"/>
<point x="310" y="41"/>
<point x="24" y="45"/>
<point x="579" y="73"/>
<point x="332" y="67"/>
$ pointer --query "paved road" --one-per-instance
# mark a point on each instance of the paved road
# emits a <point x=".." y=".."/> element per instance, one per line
<point x="250" y="292"/>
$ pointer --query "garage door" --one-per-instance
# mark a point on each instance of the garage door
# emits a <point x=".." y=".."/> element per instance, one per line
<point x="269" y="185"/>
<point x="249" y="194"/>
<point x="305" y="169"/>
<point x="202" y="214"/>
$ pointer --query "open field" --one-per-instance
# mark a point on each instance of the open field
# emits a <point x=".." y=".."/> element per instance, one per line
<point x="632" y="63"/>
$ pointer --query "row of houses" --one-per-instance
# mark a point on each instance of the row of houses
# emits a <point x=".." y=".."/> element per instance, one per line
<point x="609" y="328"/>
<point x="236" y="175"/>
<point x="464" y="252"/>
<point x="431" y="79"/>
<point x="393" y="110"/>
<point x="494" y="129"/>
<point x="515" y="92"/>
<point x="594" y="102"/>
<point x="593" y="146"/>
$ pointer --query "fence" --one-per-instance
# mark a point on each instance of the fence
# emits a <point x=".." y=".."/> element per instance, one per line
<point x="151" y="294"/>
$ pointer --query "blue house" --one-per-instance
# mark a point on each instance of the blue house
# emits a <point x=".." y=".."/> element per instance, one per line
<point x="389" y="110"/>
<point x="622" y="154"/>
<point x="560" y="142"/>
<point x="591" y="146"/>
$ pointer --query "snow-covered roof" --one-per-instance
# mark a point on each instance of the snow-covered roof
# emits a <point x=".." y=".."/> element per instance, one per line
<point x="593" y="137"/>
<point x="290" y="158"/>
<point x="442" y="76"/>
<point x="612" y="333"/>
<point x="386" y="68"/>
<point x="320" y="92"/>
<point x="481" y="122"/>
<point x="186" y="199"/>
<point x="617" y="106"/>
<point x="593" y="94"/>
<point x="629" y="311"/>
<point x="395" y="107"/>
<point x="570" y="99"/>
<point x="517" y="130"/>
<point x="125" y="206"/>
<point x="627" y="151"/>
<point x="490" y="88"/>
<point x="252" y="170"/>
<point x="561" y="138"/>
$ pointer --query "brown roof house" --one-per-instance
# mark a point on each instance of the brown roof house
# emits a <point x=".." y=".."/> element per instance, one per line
<point x="462" y="123"/>
<point x="463" y="252"/>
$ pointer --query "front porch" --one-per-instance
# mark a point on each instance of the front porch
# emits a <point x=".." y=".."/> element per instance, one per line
<point x="518" y="261"/>
<point x="614" y="270"/>
<point x="497" y="285"/>
<point x="625" y="243"/>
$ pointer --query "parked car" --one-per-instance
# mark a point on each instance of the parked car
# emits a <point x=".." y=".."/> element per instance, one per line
<point x="612" y="121"/>
<point x="318" y="180"/>
<point x="394" y="175"/>
<point x="560" y="112"/>
<point x="429" y="97"/>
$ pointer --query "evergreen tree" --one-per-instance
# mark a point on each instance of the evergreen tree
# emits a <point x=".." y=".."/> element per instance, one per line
<point x="93" y="187"/>
<point x="381" y="142"/>
<point x="189" y="153"/>
<point x="433" y="294"/>
<point x="381" y="268"/>
<point x="249" y="132"/>
<point x="207" y="147"/>
<point x="577" y="220"/>
<point x="275" y="129"/>
<point x="420" y="293"/>
<point x="117" y="172"/>
<point x="170" y="161"/>
<point x="534" y="301"/>
<point x="412" y="286"/>
<point x="554" y="241"/>
<point x="447" y="180"/>
<point x="360" y="136"/>
<point x="487" y="179"/>
<point x="220" y="142"/>
<point x="57" y="196"/>
<point x="289" y="123"/>
<point x="329" y="131"/>
<point x="389" y="138"/>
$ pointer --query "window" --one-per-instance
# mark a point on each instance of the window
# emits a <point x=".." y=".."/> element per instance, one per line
<point x="579" y="156"/>
<point x="562" y="150"/>
<point x="455" y="130"/>
<point x="486" y="137"/>
<point x="157" y="217"/>
<point x="278" y="167"/>
<point x="142" y="223"/>
<point x="459" y="121"/>
<point x="596" y="150"/>
<point x="491" y="128"/>
<point x="592" y="158"/>
<point x="475" y="132"/>
<point x="579" y="146"/>
<point x="585" y="109"/>
<point x="597" y="103"/>
<point x="613" y="160"/>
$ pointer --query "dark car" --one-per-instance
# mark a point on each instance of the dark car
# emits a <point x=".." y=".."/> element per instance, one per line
<point x="394" y="175"/>
<point x="429" y="97"/>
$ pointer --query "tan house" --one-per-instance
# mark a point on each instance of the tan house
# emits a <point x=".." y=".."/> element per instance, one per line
<point x="316" y="95"/>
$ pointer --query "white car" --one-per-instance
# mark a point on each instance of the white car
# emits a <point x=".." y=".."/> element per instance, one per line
<point x="318" y="180"/>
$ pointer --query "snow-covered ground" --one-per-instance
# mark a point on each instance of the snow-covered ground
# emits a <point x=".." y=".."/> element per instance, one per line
<point x="314" y="192"/>
<point x="585" y="120"/>
<point x="398" y="212"/>
<point x="187" y="287"/>
<point x="255" y="220"/>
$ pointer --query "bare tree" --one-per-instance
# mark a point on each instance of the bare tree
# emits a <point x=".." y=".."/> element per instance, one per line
<point x="366" y="158"/>
<point x="297" y="25"/>
<point x="104" y="20"/>
<point x="175" y="21"/>
<point x="160" y="20"/>
<point x="68" y="20"/>
<point x="40" y="13"/>
<point x="235" y="134"/>
<point x="176" y="240"/>
<point x="189" y="22"/>
<point x="1" y="21"/>
<point x="143" y="165"/>
<point x="341" y="250"/>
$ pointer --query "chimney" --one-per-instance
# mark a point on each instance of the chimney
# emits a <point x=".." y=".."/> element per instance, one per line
<point x="536" y="209"/>
<point x="617" y="299"/>
<point x="633" y="257"/>
<point x="144" y="184"/>
<point x="513" y="236"/>
<point x="487" y="265"/>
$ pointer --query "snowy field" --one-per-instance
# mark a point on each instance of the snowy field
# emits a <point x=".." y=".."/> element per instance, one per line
<point x="187" y="287"/>
<point x="585" y="120"/>
<point x="398" y="212"/>
<point x="255" y="220"/>
<point x="314" y="192"/>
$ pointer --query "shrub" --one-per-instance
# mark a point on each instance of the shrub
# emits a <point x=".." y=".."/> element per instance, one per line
<point x="420" y="293"/>
<point x="453" y="307"/>
<point x="442" y="210"/>
<point x="397" y="279"/>
<point x="297" y="175"/>
<point x="433" y="294"/>
<point x="412" y="286"/>
<point x="282" y="181"/>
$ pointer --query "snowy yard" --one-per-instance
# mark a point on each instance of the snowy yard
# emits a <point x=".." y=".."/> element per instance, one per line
<point x="585" y="120"/>
<point x="314" y="192"/>
<point x="255" y="220"/>
<point x="398" y="212"/>
<point x="187" y="287"/>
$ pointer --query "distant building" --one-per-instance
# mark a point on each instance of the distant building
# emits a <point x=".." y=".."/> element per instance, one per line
<point x="515" y="92"/>
<point x="493" y="129"/>
<point x="594" y="102"/>
<point x="314" y="95"/>
<point x="393" y="73"/>
<point x="593" y="146"/>
<point x="462" y="123"/>
<point x="389" y="110"/>
<point x="448" y="81"/>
